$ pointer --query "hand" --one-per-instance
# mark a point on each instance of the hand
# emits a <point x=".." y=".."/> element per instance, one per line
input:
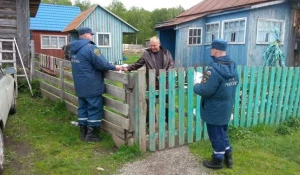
<point x="118" y="67"/>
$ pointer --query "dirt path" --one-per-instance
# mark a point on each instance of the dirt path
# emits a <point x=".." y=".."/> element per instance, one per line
<point x="176" y="161"/>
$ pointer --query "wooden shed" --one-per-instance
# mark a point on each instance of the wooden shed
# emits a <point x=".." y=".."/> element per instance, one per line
<point x="46" y="28"/>
<point x="14" y="23"/>
<point x="108" y="28"/>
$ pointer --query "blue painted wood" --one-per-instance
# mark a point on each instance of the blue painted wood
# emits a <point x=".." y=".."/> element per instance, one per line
<point x="262" y="110"/>
<point x="287" y="94"/>
<point x="281" y="94"/>
<point x="293" y="94"/>
<point x="171" y="106"/>
<point x="250" y="97"/>
<point x="162" y="109"/>
<point x="275" y="105"/>
<point x="199" y="127"/>
<point x="258" y="100"/>
<point x="190" y="104"/>
<point x="271" y="85"/>
<point x="181" y="103"/>
<point x="151" y="107"/>
<point x="244" y="96"/>
<point x="237" y="100"/>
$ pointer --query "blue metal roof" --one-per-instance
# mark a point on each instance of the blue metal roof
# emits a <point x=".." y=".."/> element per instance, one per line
<point x="52" y="17"/>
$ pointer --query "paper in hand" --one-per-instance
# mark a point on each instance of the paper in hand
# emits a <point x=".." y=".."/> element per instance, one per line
<point x="197" y="77"/>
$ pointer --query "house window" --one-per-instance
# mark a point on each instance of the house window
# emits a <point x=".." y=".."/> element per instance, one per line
<point x="234" y="31"/>
<point x="103" y="40"/>
<point x="266" y="28"/>
<point x="53" y="42"/>
<point x="212" y="32"/>
<point x="195" y="36"/>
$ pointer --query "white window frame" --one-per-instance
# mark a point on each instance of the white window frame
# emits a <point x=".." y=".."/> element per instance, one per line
<point x="231" y="20"/>
<point x="57" y="37"/>
<point x="272" y="20"/>
<point x="188" y="36"/>
<point x="218" y="22"/>
<point x="103" y="33"/>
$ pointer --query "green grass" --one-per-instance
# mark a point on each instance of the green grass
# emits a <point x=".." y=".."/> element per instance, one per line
<point x="132" y="57"/>
<point x="260" y="150"/>
<point x="55" y="147"/>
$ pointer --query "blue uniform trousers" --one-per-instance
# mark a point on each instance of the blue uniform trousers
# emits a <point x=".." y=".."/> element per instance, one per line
<point x="219" y="140"/>
<point x="90" y="111"/>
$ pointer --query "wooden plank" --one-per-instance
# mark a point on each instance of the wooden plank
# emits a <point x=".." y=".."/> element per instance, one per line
<point x="130" y="97"/>
<point x="281" y="94"/>
<point x="116" y="76"/>
<point x="136" y="109"/>
<point x="8" y="22"/>
<point x="250" y="97"/>
<point x="118" y="141"/>
<point x="47" y="77"/>
<point x="293" y="94"/>
<point x="113" y="129"/>
<point x="199" y="127"/>
<point x="151" y="109"/>
<point x="116" y="105"/>
<point x="12" y="30"/>
<point x="171" y="101"/>
<point x="265" y="83"/>
<point x="270" y="94"/>
<point x="142" y="109"/>
<point x="237" y="100"/>
<point x="190" y="104"/>
<point x="275" y="95"/>
<point x="72" y="108"/>
<point x="181" y="103"/>
<point x="287" y="94"/>
<point x="258" y="100"/>
<point x="71" y="98"/>
<point x="49" y="95"/>
<point x="69" y="87"/>
<point x="296" y="103"/>
<point x="115" y="91"/>
<point x="244" y="96"/>
<point x="61" y="77"/>
<point x="116" y="119"/>
<point x="50" y="88"/>
<point x="162" y="108"/>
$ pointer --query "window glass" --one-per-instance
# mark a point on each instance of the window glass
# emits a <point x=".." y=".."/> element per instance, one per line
<point x="234" y="31"/>
<point x="266" y="28"/>
<point x="194" y="36"/>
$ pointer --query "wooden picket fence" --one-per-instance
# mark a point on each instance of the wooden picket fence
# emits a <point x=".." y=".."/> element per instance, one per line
<point x="265" y="95"/>
<point x="56" y="83"/>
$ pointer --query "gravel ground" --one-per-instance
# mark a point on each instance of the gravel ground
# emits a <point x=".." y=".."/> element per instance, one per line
<point x="176" y="161"/>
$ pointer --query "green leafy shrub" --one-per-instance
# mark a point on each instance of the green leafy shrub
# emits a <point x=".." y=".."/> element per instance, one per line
<point x="283" y="130"/>
<point x="24" y="88"/>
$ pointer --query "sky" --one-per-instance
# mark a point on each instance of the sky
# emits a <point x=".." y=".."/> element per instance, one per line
<point x="150" y="5"/>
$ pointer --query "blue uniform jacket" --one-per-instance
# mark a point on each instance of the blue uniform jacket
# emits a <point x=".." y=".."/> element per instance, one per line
<point x="88" y="67"/>
<point x="217" y="90"/>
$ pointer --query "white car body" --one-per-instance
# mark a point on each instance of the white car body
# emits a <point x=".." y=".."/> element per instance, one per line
<point x="7" y="104"/>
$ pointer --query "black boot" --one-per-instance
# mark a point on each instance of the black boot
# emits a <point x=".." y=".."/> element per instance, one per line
<point x="83" y="131"/>
<point x="91" y="136"/>
<point x="228" y="160"/>
<point x="214" y="163"/>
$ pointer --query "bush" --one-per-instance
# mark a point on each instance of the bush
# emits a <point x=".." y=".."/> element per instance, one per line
<point x="283" y="130"/>
<point x="24" y="88"/>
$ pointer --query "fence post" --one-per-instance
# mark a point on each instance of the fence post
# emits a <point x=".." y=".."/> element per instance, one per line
<point x="142" y="109"/>
<point x="61" y="77"/>
<point x="32" y="68"/>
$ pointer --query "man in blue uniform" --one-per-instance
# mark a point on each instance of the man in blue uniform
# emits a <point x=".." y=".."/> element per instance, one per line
<point x="88" y="67"/>
<point x="217" y="89"/>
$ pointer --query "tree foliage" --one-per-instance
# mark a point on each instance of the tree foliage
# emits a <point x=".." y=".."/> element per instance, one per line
<point x="83" y="4"/>
<point x="59" y="2"/>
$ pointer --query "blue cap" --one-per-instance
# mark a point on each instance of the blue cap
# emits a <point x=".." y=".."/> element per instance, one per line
<point x="219" y="44"/>
<point x="84" y="30"/>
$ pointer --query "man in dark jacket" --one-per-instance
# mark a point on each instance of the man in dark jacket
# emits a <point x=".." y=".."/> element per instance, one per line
<point x="156" y="57"/>
<point x="88" y="67"/>
<point x="217" y="89"/>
